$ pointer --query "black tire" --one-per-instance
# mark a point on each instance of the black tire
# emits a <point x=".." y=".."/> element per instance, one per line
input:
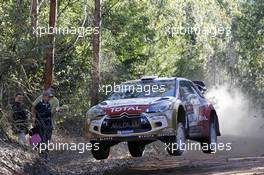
<point x="136" y="149"/>
<point x="209" y="144"/>
<point x="101" y="152"/>
<point x="174" y="143"/>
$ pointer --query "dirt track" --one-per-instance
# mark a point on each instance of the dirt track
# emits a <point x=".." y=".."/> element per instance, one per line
<point x="214" y="165"/>
<point x="246" y="157"/>
<point x="249" y="165"/>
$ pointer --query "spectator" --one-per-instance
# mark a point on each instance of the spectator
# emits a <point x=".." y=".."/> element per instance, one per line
<point x="54" y="102"/>
<point x="42" y="119"/>
<point x="20" y="119"/>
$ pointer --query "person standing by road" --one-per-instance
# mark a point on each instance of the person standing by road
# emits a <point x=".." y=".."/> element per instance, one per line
<point x="42" y="120"/>
<point x="54" y="102"/>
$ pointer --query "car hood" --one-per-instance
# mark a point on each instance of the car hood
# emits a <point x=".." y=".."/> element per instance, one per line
<point x="131" y="106"/>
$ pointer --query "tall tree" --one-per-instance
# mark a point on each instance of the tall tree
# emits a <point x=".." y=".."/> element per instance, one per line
<point x="49" y="66"/>
<point x="34" y="13"/>
<point x="96" y="54"/>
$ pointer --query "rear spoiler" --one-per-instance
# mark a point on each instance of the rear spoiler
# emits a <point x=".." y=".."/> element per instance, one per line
<point x="201" y="86"/>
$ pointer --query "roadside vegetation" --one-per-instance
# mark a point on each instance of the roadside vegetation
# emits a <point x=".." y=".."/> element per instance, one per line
<point x="139" y="37"/>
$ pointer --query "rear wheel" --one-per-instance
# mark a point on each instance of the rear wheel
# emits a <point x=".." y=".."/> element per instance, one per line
<point x="209" y="144"/>
<point x="176" y="145"/>
<point x="136" y="149"/>
<point x="100" y="150"/>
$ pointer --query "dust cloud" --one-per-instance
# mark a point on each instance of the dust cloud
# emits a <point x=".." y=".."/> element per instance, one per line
<point x="237" y="114"/>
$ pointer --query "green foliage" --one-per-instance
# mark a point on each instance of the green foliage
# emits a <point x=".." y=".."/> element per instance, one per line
<point x="248" y="33"/>
<point x="136" y="41"/>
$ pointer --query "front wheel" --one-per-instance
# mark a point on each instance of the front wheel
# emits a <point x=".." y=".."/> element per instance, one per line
<point x="209" y="144"/>
<point x="176" y="146"/>
<point x="100" y="150"/>
<point x="136" y="149"/>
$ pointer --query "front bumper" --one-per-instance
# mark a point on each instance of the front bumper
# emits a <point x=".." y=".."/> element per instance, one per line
<point x="124" y="128"/>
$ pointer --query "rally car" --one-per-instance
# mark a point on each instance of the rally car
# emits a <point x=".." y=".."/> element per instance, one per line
<point x="142" y="111"/>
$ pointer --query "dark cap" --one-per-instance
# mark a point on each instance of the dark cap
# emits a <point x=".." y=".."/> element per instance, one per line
<point x="52" y="91"/>
<point x="47" y="93"/>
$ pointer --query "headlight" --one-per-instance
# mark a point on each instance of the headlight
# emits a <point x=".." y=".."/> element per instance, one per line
<point x="95" y="112"/>
<point x="159" y="107"/>
<point x="143" y="120"/>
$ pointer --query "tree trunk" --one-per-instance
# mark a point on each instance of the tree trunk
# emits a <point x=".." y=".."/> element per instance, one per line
<point x="34" y="14"/>
<point x="96" y="55"/>
<point x="49" y="66"/>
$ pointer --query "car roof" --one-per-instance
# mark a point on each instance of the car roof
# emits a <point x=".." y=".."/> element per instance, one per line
<point x="156" y="79"/>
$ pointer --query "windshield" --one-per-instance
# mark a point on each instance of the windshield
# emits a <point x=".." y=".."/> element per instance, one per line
<point x="144" y="89"/>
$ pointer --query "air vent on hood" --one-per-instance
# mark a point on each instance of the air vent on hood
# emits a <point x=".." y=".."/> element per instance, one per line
<point x="163" y="98"/>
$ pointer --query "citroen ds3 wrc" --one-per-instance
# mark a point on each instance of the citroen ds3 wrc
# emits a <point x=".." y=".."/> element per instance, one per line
<point x="149" y="109"/>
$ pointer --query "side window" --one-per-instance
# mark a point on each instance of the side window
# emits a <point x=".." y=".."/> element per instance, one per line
<point x="185" y="89"/>
<point x="197" y="90"/>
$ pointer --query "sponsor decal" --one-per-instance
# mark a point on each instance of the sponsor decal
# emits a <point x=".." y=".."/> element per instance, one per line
<point x="201" y="118"/>
<point x="126" y="109"/>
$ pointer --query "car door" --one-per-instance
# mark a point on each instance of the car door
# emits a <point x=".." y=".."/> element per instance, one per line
<point x="192" y="104"/>
<point x="202" y="121"/>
